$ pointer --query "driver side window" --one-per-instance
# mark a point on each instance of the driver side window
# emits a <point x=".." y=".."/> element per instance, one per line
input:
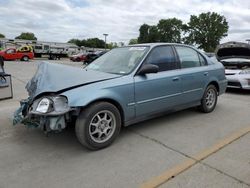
<point x="162" y="56"/>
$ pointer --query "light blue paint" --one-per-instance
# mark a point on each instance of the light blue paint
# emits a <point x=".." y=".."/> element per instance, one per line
<point x="137" y="95"/>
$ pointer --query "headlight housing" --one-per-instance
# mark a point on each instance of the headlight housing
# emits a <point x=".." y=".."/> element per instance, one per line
<point x="50" y="105"/>
<point x="45" y="105"/>
<point x="60" y="103"/>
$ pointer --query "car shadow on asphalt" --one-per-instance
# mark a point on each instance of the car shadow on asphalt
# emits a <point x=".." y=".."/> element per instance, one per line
<point x="31" y="139"/>
<point x="66" y="140"/>
<point x="167" y="119"/>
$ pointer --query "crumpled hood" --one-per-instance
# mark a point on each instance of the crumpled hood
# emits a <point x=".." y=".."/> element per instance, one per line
<point x="51" y="77"/>
<point x="232" y="50"/>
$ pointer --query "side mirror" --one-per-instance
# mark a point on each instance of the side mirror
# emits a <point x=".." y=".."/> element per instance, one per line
<point x="148" y="68"/>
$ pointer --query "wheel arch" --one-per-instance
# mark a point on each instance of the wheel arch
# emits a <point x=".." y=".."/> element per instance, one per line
<point x="216" y="84"/>
<point x="111" y="101"/>
<point x="22" y="58"/>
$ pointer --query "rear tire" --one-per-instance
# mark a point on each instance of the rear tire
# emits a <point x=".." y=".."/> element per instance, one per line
<point x="98" y="125"/>
<point x="209" y="99"/>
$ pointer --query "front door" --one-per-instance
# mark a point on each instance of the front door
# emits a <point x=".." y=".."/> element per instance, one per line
<point x="160" y="91"/>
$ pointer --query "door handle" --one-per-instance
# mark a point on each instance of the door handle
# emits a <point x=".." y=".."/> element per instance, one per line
<point x="205" y="73"/>
<point x="176" y="79"/>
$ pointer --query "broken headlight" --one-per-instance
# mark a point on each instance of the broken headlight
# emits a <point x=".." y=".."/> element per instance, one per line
<point x="60" y="103"/>
<point x="45" y="105"/>
<point x="50" y="105"/>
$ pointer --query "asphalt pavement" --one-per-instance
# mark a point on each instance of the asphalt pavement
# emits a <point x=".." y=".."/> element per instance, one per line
<point x="183" y="149"/>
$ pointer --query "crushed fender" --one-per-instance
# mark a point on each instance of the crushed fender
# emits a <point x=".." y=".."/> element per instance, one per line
<point x="19" y="118"/>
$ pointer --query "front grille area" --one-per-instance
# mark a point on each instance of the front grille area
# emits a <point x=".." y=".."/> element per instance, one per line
<point x="230" y="73"/>
<point x="234" y="84"/>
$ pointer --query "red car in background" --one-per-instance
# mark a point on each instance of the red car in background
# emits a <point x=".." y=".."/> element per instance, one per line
<point x="78" y="57"/>
<point x="13" y="54"/>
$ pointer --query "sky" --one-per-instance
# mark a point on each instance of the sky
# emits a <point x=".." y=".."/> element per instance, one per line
<point x="61" y="20"/>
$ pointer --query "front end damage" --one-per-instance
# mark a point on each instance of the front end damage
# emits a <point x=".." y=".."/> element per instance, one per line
<point x="46" y="106"/>
<point x="49" y="113"/>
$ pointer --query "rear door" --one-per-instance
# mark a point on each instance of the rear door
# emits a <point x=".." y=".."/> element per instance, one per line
<point x="194" y="73"/>
<point x="160" y="91"/>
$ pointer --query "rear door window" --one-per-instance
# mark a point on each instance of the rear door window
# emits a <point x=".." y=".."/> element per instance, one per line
<point x="203" y="61"/>
<point x="188" y="57"/>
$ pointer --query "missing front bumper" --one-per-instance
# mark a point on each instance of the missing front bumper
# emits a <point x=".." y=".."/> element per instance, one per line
<point x="47" y="122"/>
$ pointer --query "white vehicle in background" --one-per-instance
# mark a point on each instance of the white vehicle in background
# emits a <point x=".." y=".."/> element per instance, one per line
<point x="54" y="49"/>
<point x="235" y="56"/>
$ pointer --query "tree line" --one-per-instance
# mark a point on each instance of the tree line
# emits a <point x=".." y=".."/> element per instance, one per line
<point x="24" y="36"/>
<point x="204" y="31"/>
<point x="94" y="43"/>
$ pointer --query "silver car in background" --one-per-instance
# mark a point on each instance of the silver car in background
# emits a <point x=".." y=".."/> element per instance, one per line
<point x="235" y="56"/>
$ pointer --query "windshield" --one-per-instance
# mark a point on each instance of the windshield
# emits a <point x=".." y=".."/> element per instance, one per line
<point x="119" y="60"/>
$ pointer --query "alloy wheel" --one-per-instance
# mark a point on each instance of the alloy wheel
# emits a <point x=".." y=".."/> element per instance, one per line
<point x="102" y="126"/>
<point x="210" y="98"/>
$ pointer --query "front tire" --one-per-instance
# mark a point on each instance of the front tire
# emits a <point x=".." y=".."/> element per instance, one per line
<point x="209" y="99"/>
<point x="98" y="125"/>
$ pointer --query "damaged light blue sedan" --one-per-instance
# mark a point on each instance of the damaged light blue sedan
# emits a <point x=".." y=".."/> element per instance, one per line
<point x="124" y="86"/>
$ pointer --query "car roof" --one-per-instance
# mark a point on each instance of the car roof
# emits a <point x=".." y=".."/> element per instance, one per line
<point x="151" y="45"/>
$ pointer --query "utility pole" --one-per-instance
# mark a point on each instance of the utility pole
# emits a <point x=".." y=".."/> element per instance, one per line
<point x="105" y="35"/>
